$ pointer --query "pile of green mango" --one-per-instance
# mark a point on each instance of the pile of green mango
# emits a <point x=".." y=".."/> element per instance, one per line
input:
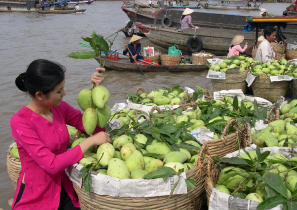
<point x="124" y="116"/>
<point x="94" y="104"/>
<point x="279" y="133"/>
<point x="274" y="68"/>
<point x="235" y="61"/>
<point x="14" y="152"/>
<point x="125" y="158"/>
<point x="239" y="182"/>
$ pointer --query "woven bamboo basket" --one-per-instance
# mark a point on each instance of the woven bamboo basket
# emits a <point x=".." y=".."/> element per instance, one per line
<point x="201" y="59"/>
<point x="271" y="91"/>
<point x="232" y="81"/>
<point x="192" y="200"/>
<point x="254" y="52"/>
<point x="13" y="168"/>
<point x="279" y="50"/>
<point x="291" y="54"/>
<point x="229" y="143"/>
<point x="154" y="58"/>
<point x="170" y="59"/>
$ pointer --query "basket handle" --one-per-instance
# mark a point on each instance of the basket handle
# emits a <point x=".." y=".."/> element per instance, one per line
<point x="156" y="108"/>
<point x="233" y="122"/>
<point x="184" y="98"/>
<point x="208" y="95"/>
<point x="204" y="152"/>
<point x="140" y="88"/>
<point x="274" y="116"/>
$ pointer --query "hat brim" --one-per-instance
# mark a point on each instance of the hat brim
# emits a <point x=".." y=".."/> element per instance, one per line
<point x="237" y="40"/>
<point x="135" y="38"/>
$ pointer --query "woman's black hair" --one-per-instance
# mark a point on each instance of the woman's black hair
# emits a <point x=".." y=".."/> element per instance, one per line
<point x="232" y="46"/>
<point x="182" y="17"/>
<point x="41" y="75"/>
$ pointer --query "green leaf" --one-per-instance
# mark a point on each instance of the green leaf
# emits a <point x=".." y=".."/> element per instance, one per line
<point x="258" y="152"/>
<point x="270" y="192"/>
<point x="275" y="182"/>
<point x="234" y="161"/>
<point x="291" y="205"/>
<point x="101" y="42"/>
<point x="178" y="111"/>
<point x="271" y="203"/>
<point x="263" y="156"/>
<point x="168" y="128"/>
<point x="161" y="172"/>
<point x="191" y="183"/>
<point x="82" y="172"/>
<point x="187" y="146"/>
<point x="217" y="159"/>
<point x="82" y="55"/>
<point x="243" y="109"/>
<point x="173" y="188"/>
<point x="87" y="183"/>
<point x="235" y="103"/>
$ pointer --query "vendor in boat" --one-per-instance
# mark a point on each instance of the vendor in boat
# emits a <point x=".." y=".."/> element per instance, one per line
<point x="265" y="52"/>
<point x="235" y="47"/>
<point x="41" y="135"/>
<point x="76" y="6"/>
<point x="186" y="19"/>
<point x="133" y="48"/>
<point x="263" y="12"/>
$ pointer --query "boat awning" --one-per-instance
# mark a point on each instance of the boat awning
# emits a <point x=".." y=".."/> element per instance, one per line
<point x="263" y="22"/>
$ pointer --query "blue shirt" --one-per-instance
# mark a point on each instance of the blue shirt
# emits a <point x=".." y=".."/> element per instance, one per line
<point x="133" y="51"/>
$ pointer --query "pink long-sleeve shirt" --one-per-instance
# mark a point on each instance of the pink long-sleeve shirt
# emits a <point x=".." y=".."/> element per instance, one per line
<point x="44" y="156"/>
<point x="235" y="50"/>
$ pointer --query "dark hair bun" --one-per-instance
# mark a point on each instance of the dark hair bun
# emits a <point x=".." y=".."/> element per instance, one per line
<point x="19" y="81"/>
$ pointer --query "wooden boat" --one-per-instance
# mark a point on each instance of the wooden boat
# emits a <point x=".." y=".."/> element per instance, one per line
<point x="80" y="2"/>
<point x="17" y="6"/>
<point x="123" y="64"/>
<point x="61" y="11"/>
<point x="230" y="5"/>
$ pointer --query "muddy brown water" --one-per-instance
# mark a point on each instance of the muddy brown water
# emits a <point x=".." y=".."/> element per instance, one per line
<point x="28" y="36"/>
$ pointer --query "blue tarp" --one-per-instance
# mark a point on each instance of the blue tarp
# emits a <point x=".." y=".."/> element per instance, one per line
<point x="250" y="26"/>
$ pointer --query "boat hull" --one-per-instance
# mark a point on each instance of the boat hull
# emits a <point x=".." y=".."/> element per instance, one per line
<point x="61" y="11"/>
<point x="17" y="6"/>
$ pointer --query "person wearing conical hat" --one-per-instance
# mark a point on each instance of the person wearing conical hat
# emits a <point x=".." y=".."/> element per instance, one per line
<point x="186" y="19"/>
<point x="133" y="48"/>
<point x="263" y="12"/>
<point x="235" y="47"/>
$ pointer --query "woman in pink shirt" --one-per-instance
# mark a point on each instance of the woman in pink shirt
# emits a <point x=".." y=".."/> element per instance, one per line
<point x="235" y="47"/>
<point x="40" y="132"/>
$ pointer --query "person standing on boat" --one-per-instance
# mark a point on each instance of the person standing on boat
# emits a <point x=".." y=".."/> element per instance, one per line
<point x="41" y="134"/>
<point x="76" y="6"/>
<point x="133" y="48"/>
<point x="235" y="47"/>
<point x="186" y="19"/>
<point x="265" y="52"/>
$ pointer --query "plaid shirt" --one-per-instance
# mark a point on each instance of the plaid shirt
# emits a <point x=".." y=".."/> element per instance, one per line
<point x="186" y="22"/>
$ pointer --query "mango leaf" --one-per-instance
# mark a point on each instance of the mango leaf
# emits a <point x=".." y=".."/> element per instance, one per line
<point x="168" y="128"/>
<point x="271" y="202"/>
<point x="235" y="103"/>
<point x="263" y="156"/>
<point x="275" y="182"/>
<point x="82" y="55"/>
<point x="234" y="161"/>
<point x="191" y="183"/>
<point x="215" y="113"/>
<point x="217" y="159"/>
<point x="187" y="146"/>
<point x="101" y="42"/>
<point x="161" y="172"/>
<point x="83" y="172"/>
<point x="291" y="205"/>
<point x="178" y="111"/>
<point x="294" y="194"/>
<point x="87" y="183"/>
<point x="243" y="109"/>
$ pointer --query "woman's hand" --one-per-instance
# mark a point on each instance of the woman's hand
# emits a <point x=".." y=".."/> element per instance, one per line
<point x="134" y="56"/>
<point x="98" y="77"/>
<point x="125" y="47"/>
<point x="246" y="43"/>
<point x="101" y="138"/>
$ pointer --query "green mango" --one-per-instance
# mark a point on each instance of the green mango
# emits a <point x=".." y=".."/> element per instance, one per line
<point x="194" y="143"/>
<point x="188" y="166"/>
<point x="222" y="188"/>
<point x="127" y="150"/>
<point x="87" y="160"/>
<point x="100" y="96"/>
<point x="186" y="152"/>
<point x="175" y="156"/>
<point x="140" y="138"/>
<point x="77" y="141"/>
<point x="103" y="116"/>
<point x="118" y="169"/>
<point x="135" y="161"/>
<point x="286" y="108"/>
<point x="105" y="153"/>
<point x="90" y="120"/>
<point x="158" y="148"/>
<point x="152" y="165"/>
<point x="175" y="165"/>
<point x="14" y="152"/>
<point x="147" y="159"/>
<point x="161" y="100"/>
<point x="290" y="182"/>
<point x="84" y="99"/>
<point x="117" y="154"/>
<point x="138" y="174"/>
<point x="121" y="141"/>
<point x="254" y="197"/>
<point x="175" y="101"/>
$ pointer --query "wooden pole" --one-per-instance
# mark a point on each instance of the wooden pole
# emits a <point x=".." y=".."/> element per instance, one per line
<point x="135" y="61"/>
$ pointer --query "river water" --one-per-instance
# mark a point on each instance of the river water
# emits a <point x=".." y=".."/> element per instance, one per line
<point x="29" y="36"/>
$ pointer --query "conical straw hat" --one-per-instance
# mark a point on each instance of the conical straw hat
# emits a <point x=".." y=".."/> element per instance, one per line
<point x="237" y="40"/>
<point x="135" y="38"/>
<point x="188" y="11"/>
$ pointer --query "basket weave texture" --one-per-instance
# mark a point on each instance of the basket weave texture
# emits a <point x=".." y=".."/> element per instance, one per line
<point x="154" y="58"/>
<point x="271" y="91"/>
<point x="192" y="200"/>
<point x="196" y="59"/>
<point x="291" y="54"/>
<point x="13" y="168"/>
<point x="170" y="59"/>
<point x="232" y="81"/>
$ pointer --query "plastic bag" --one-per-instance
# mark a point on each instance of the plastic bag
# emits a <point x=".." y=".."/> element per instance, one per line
<point x="174" y="50"/>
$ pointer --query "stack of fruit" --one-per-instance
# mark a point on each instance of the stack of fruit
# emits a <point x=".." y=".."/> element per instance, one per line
<point x="235" y="61"/>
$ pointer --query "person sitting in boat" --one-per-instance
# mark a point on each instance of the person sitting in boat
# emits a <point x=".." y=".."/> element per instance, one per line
<point x="263" y="12"/>
<point x="76" y="6"/>
<point x="133" y="48"/>
<point x="235" y="47"/>
<point x="265" y="52"/>
<point x="186" y="19"/>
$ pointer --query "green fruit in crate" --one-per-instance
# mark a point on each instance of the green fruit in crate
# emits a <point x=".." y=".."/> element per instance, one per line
<point x="251" y="153"/>
<point x="239" y="195"/>
<point x="131" y="113"/>
<point x="194" y="159"/>
<point x="14" y="152"/>
<point x="182" y="118"/>
<point x="271" y="142"/>
<point x="147" y="159"/>
<point x="189" y="113"/>
<point x="291" y="172"/>
<point x="223" y="65"/>
<point x="77" y="141"/>
<point x="90" y="120"/>
<point x="100" y="96"/>
<point x="84" y="99"/>
<point x="188" y="166"/>
<point x="72" y="132"/>
<point x="103" y="116"/>
<point x="139" y="140"/>
<point x="260" y="190"/>
<point x="291" y="129"/>
<point x="259" y="138"/>
<point x="282" y="137"/>
<point x="175" y="157"/>
<point x="102" y="171"/>
<point x="143" y="95"/>
<point x="197" y="124"/>
<point x="175" y="101"/>
<point x="215" y="67"/>
<point x="193" y="151"/>
<point x="161" y="100"/>
<point x="158" y="148"/>
<point x="123" y="120"/>
<point x="291" y="182"/>
<point x="236" y="62"/>
<point x="117" y="154"/>
<point x="281" y="170"/>
<point x="154" y="94"/>
<point x="127" y="150"/>
<point x="278" y="129"/>
<point x="152" y="165"/>
<point x="118" y="169"/>
<point x="196" y="114"/>
<point x="277" y="122"/>
<point x="222" y="188"/>
<point x="293" y="110"/>
<point x="105" y="152"/>
<point x="288" y="120"/>
<point x="138" y="174"/>
<point x="254" y="197"/>
<point x="143" y="151"/>
<point x="186" y="152"/>
<point x="87" y="160"/>
<point x="293" y="103"/>
<point x="175" y="165"/>
<point x="241" y="58"/>
<point x="233" y="182"/>
<point x="121" y="141"/>
<point x="135" y="161"/>
<point x="181" y="94"/>
<point x="171" y="95"/>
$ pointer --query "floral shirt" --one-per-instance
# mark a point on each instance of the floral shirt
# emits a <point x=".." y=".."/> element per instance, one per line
<point x="186" y="22"/>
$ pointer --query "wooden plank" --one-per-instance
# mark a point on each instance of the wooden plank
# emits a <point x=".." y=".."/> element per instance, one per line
<point x="13" y="2"/>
